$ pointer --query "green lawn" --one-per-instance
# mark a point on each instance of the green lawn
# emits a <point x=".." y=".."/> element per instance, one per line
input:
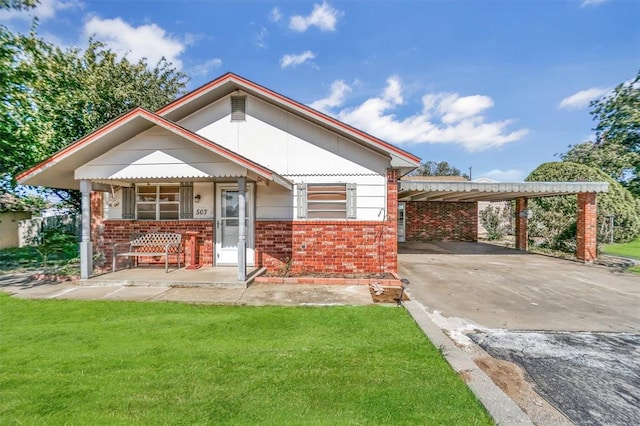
<point x="631" y="249"/>
<point x="77" y="362"/>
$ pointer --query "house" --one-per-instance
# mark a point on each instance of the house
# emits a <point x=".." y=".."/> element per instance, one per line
<point x="12" y="212"/>
<point x="261" y="179"/>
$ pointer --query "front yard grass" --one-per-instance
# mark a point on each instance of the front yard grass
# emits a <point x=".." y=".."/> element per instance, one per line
<point x="89" y="362"/>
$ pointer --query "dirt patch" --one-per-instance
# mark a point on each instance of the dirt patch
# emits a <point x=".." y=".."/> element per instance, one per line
<point x="388" y="295"/>
<point x="513" y="381"/>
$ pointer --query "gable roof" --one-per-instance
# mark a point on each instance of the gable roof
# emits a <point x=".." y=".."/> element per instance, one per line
<point x="229" y="83"/>
<point x="65" y="161"/>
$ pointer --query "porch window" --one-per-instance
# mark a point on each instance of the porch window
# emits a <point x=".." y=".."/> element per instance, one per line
<point x="327" y="201"/>
<point x="158" y="202"/>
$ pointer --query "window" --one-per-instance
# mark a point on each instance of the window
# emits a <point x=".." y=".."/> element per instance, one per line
<point x="158" y="202"/>
<point x="238" y="108"/>
<point x="327" y="201"/>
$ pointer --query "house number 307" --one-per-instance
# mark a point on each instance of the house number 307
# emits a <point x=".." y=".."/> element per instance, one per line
<point x="201" y="212"/>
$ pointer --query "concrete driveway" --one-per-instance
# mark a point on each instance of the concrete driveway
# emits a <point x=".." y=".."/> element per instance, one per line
<point x="582" y="356"/>
<point x="503" y="288"/>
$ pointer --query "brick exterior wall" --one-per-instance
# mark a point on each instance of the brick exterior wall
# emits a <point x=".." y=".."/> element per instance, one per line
<point x="339" y="247"/>
<point x="522" y="236"/>
<point x="120" y="231"/>
<point x="587" y="232"/>
<point x="441" y="221"/>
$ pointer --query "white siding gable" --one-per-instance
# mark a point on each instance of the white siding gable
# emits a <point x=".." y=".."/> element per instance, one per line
<point x="157" y="154"/>
<point x="284" y="142"/>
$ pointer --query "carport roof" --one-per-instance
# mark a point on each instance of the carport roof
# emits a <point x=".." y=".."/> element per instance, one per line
<point x="421" y="190"/>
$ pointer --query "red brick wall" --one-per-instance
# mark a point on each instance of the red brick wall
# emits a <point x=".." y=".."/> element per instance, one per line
<point x="587" y="232"/>
<point x="117" y="231"/>
<point x="441" y="221"/>
<point x="340" y="247"/>
<point x="522" y="237"/>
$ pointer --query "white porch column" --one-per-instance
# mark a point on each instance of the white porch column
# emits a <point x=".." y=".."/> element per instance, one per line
<point x="86" y="251"/>
<point x="242" y="228"/>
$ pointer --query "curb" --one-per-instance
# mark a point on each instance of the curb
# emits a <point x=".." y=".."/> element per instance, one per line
<point x="499" y="406"/>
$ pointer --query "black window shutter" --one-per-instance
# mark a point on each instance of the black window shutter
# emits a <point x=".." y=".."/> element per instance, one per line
<point x="186" y="200"/>
<point x="128" y="203"/>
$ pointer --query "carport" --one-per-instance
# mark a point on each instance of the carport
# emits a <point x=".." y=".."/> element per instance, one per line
<point x="439" y="196"/>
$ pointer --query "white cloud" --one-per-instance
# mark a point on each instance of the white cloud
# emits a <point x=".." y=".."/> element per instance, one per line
<point x="583" y="98"/>
<point x="146" y="41"/>
<point x="323" y="16"/>
<point x="339" y="90"/>
<point x="592" y="2"/>
<point x="275" y="15"/>
<point x="444" y="118"/>
<point x="44" y="11"/>
<point x="295" y="60"/>
<point x="261" y="38"/>
<point x="206" y="67"/>
<point x="512" y="175"/>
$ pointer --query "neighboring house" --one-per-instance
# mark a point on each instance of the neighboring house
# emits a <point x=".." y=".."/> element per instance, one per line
<point x="11" y="213"/>
<point x="316" y="195"/>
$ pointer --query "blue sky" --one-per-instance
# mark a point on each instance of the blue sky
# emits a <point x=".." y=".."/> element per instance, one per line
<point x="500" y="86"/>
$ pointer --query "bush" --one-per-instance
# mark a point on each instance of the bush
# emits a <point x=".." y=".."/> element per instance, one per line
<point x="57" y="241"/>
<point x="490" y="218"/>
<point x="554" y="218"/>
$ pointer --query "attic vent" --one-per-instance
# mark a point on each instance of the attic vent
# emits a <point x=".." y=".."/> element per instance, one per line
<point x="238" y="108"/>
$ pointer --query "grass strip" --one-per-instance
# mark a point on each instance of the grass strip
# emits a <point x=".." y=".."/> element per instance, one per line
<point x="88" y="362"/>
<point x="630" y="249"/>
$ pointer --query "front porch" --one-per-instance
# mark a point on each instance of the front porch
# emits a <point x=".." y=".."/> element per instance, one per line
<point x="155" y="276"/>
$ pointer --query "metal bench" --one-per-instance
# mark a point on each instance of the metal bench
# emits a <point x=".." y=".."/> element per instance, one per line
<point x="151" y="245"/>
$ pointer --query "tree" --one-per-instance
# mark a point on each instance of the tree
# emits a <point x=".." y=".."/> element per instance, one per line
<point x="617" y="147"/>
<point x="18" y="4"/>
<point x="52" y="97"/>
<point x="554" y="218"/>
<point x="442" y="168"/>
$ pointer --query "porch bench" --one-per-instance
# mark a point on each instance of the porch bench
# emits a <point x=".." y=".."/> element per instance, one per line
<point x="151" y="244"/>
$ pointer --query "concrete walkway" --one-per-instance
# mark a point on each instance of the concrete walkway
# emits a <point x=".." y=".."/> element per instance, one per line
<point x="255" y="295"/>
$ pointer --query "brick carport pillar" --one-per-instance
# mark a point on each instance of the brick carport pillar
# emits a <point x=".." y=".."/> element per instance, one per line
<point x="522" y="238"/>
<point x="587" y="227"/>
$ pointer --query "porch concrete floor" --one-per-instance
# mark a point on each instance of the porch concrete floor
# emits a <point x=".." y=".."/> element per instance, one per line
<point x="219" y="276"/>
<point x="21" y="286"/>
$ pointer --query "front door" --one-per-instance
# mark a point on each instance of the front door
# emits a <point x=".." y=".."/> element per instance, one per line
<point x="227" y="209"/>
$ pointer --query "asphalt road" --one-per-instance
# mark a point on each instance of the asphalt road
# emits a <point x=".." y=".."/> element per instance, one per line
<point x="593" y="378"/>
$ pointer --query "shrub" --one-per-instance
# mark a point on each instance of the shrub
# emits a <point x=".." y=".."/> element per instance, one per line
<point x="554" y="218"/>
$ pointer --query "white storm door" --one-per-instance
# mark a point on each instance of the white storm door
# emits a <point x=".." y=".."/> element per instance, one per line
<point x="227" y="224"/>
<point x="401" y="222"/>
